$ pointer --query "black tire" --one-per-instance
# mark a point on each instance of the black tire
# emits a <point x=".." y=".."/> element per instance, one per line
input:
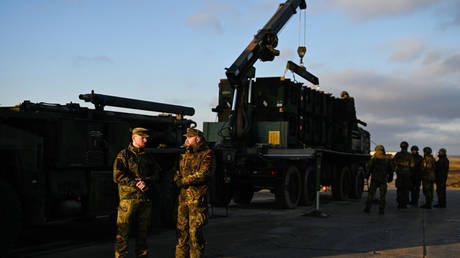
<point x="342" y="184"/>
<point x="358" y="183"/>
<point x="308" y="186"/>
<point x="242" y="195"/>
<point x="288" y="193"/>
<point x="10" y="215"/>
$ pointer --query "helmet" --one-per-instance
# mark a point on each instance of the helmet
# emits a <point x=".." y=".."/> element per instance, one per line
<point x="414" y="147"/>
<point x="427" y="150"/>
<point x="379" y="148"/>
<point x="404" y="145"/>
<point x="344" y="95"/>
<point x="443" y="151"/>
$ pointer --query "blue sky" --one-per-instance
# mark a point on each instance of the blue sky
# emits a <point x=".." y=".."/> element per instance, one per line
<point x="400" y="59"/>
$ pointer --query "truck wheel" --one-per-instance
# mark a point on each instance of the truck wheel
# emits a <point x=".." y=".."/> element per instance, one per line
<point x="10" y="215"/>
<point x="358" y="183"/>
<point x="243" y="195"/>
<point x="309" y="183"/>
<point x="288" y="193"/>
<point x="341" y="187"/>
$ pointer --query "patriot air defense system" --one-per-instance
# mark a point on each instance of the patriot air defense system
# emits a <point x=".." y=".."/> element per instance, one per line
<point x="278" y="134"/>
<point x="57" y="159"/>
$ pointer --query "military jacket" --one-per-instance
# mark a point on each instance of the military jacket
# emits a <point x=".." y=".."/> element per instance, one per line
<point x="402" y="161"/>
<point x="380" y="167"/>
<point x="416" y="164"/>
<point x="442" y="168"/>
<point x="195" y="168"/>
<point x="132" y="163"/>
<point x="429" y="166"/>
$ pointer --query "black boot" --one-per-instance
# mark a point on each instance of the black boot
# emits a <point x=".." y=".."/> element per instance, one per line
<point x="381" y="211"/>
<point x="426" y="206"/>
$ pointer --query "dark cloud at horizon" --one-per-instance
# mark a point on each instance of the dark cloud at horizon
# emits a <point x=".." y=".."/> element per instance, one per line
<point x="419" y="106"/>
<point x="447" y="11"/>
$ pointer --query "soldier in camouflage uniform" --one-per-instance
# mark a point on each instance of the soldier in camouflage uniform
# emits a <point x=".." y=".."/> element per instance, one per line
<point x="380" y="167"/>
<point x="428" y="176"/>
<point x="135" y="172"/>
<point x="402" y="161"/>
<point x="195" y="167"/>
<point x="416" y="175"/>
<point x="442" y="169"/>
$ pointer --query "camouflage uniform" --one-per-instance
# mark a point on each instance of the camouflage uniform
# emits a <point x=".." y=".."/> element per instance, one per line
<point x="380" y="167"/>
<point x="402" y="161"/>
<point x="428" y="176"/>
<point x="195" y="167"/>
<point x="442" y="169"/>
<point x="416" y="164"/>
<point x="130" y="165"/>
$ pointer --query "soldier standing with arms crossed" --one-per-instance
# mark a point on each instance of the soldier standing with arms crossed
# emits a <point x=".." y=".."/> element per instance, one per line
<point x="135" y="172"/>
<point x="380" y="167"/>
<point x="428" y="174"/>
<point x="416" y="175"/>
<point x="195" y="167"/>
<point x="442" y="169"/>
<point x="403" y="184"/>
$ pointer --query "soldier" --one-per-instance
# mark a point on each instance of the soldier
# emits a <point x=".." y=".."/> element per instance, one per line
<point x="345" y="95"/>
<point x="416" y="175"/>
<point x="195" y="167"/>
<point x="380" y="167"/>
<point x="428" y="174"/>
<point x="135" y="172"/>
<point x="403" y="184"/>
<point x="442" y="169"/>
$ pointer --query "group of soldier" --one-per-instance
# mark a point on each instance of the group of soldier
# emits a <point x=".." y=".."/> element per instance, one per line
<point x="136" y="171"/>
<point x="412" y="170"/>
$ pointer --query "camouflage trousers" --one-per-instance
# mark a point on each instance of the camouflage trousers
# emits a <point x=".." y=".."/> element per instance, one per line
<point x="415" y="189"/>
<point x="372" y="190"/>
<point x="428" y="191"/>
<point x="441" y="191"/>
<point x="192" y="216"/>
<point x="130" y="211"/>
<point x="403" y="185"/>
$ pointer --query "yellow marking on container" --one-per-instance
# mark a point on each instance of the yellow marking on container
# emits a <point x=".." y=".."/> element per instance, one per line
<point x="274" y="137"/>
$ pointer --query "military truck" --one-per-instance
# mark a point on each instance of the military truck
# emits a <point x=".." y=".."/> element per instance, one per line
<point x="282" y="135"/>
<point x="56" y="160"/>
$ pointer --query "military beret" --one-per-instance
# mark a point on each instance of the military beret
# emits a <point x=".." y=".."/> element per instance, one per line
<point x="442" y="150"/>
<point x="141" y="132"/>
<point x="194" y="132"/>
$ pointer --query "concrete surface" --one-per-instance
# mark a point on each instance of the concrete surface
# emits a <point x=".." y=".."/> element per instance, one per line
<point x="260" y="230"/>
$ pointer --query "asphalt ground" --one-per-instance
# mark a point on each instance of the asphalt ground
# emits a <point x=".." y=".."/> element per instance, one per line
<point x="261" y="230"/>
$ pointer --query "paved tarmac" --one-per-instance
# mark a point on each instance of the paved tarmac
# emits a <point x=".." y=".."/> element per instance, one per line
<point x="260" y="230"/>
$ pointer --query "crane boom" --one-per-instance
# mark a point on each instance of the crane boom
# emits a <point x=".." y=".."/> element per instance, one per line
<point x="263" y="45"/>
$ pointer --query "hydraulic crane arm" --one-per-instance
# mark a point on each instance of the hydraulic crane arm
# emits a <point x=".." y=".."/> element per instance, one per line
<point x="263" y="45"/>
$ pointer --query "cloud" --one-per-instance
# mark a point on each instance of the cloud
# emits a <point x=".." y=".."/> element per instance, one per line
<point x="420" y="106"/>
<point x="210" y="17"/>
<point x="449" y="12"/>
<point x="405" y="50"/>
<point x="431" y="57"/>
<point x="366" y="9"/>
<point x="204" y="20"/>
<point x="438" y="64"/>
<point x="92" y="59"/>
